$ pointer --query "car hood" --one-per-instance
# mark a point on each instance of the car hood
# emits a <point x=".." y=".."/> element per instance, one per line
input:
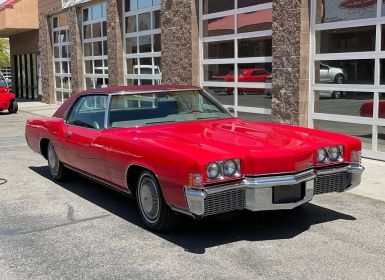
<point x="263" y="148"/>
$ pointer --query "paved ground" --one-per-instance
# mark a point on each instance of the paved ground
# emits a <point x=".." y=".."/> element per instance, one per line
<point x="78" y="229"/>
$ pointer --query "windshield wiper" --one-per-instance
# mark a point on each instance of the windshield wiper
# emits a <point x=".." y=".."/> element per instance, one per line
<point x="207" y="118"/>
<point x="159" y="122"/>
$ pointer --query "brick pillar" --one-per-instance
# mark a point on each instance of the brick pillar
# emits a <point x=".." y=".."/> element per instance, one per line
<point x="77" y="79"/>
<point x="45" y="46"/>
<point x="114" y="43"/>
<point x="290" y="61"/>
<point x="180" y="49"/>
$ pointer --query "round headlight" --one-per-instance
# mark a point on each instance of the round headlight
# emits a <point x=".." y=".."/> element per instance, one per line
<point x="230" y="168"/>
<point x="213" y="170"/>
<point x="335" y="153"/>
<point x="322" y="155"/>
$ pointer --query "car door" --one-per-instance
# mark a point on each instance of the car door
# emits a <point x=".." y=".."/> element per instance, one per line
<point x="85" y="136"/>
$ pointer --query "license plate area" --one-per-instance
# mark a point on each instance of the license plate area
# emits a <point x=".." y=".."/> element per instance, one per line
<point x="289" y="194"/>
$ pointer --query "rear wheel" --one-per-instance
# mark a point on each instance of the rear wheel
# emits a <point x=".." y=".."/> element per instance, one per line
<point x="156" y="214"/>
<point x="13" y="107"/>
<point x="56" y="167"/>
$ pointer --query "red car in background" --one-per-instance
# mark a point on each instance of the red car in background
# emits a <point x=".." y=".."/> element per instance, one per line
<point x="7" y="99"/>
<point x="177" y="150"/>
<point x="366" y="109"/>
<point x="248" y="75"/>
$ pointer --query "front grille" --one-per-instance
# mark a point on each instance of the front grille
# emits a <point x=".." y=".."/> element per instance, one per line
<point x="224" y="202"/>
<point x="337" y="182"/>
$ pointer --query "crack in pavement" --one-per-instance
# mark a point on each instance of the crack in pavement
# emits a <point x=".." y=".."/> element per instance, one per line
<point x="61" y="225"/>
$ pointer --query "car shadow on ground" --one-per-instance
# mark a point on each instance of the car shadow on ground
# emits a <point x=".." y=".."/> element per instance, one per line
<point x="196" y="236"/>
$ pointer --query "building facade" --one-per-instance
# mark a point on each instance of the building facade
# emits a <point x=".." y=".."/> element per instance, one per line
<point x="315" y="63"/>
<point x="19" y="22"/>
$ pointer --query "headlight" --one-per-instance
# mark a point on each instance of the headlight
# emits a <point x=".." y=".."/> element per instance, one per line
<point x="330" y="154"/>
<point x="213" y="170"/>
<point x="230" y="168"/>
<point x="322" y="155"/>
<point x="335" y="153"/>
<point x="222" y="170"/>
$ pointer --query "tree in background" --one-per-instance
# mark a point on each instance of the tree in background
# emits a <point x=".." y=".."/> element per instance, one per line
<point x="4" y="53"/>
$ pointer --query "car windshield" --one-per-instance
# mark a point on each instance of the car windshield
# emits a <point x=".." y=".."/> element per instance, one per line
<point x="130" y="110"/>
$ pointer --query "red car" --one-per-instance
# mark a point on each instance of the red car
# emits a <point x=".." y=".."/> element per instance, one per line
<point x="7" y="99"/>
<point x="250" y="75"/>
<point x="366" y="109"/>
<point x="178" y="151"/>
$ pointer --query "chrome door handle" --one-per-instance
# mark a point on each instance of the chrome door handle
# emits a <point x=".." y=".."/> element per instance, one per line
<point x="69" y="133"/>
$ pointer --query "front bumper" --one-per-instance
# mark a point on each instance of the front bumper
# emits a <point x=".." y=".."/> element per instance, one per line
<point x="275" y="192"/>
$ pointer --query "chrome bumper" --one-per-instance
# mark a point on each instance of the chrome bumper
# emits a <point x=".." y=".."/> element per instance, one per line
<point x="256" y="193"/>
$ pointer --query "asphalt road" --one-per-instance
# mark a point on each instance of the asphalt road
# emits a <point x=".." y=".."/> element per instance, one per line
<point x="80" y="230"/>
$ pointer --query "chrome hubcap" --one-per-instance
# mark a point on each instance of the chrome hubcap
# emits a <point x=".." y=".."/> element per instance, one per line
<point x="53" y="160"/>
<point x="149" y="199"/>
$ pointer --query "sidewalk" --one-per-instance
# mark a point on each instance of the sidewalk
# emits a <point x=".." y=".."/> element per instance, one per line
<point x="373" y="179"/>
<point x="37" y="108"/>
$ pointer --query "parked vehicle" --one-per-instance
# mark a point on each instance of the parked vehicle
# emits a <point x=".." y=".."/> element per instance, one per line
<point x="179" y="151"/>
<point x="250" y="75"/>
<point x="366" y="109"/>
<point x="7" y="99"/>
<point x="332" y="74"/>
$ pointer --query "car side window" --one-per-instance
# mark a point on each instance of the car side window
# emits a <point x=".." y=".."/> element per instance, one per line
<point x="88" y="111"/>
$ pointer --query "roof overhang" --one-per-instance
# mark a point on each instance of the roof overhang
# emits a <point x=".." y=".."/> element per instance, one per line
<point x="17" y="16"/>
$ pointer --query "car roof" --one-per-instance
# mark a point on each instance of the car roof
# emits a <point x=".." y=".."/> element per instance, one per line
<point x="135" y="89"/>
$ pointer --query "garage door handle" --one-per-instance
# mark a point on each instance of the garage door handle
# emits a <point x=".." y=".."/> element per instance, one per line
<point x="69" y="133"/>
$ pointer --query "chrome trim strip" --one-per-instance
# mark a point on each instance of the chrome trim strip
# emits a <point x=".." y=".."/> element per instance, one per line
<point x="107" y="112"/>
<point x="265" y="182"/>
<point x="100" y="181"/>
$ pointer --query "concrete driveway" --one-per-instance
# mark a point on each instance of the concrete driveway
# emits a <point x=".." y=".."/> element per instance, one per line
<point x="80" y="230"/>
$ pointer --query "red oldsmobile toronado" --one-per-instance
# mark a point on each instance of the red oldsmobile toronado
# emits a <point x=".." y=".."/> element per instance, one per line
<point x="178" y="150"/>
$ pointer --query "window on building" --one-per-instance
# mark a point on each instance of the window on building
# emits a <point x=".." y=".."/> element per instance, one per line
<point x="61" y="57"/>
<point x="142" y="42"/>
<point x="236" y="59"/>
<point x="94" y="35"/>
<point x="347" y="76"/>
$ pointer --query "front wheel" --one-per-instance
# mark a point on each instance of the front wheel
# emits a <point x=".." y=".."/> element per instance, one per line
<point x="339" y="79"/>
<point x="56" y="167"/>
<point x="13" y="107"/>
<point x="153" y="209"/>
<point x="337" y="94"/>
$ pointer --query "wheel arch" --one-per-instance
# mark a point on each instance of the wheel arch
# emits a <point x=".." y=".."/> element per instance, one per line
<point x="44" y="147"/>
<point x="132" y="175"/>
